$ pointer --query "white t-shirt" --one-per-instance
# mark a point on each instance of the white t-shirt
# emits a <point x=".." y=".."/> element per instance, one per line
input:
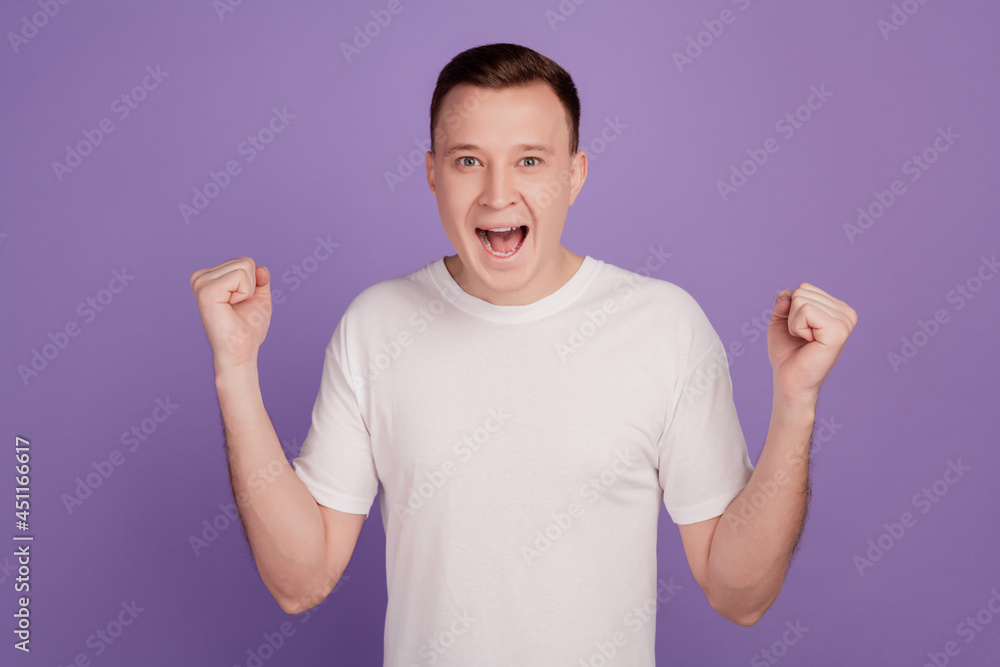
<point x="520" y="455"/>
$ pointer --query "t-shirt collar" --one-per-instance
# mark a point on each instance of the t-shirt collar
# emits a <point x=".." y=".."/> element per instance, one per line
<point x="566" y="294"/>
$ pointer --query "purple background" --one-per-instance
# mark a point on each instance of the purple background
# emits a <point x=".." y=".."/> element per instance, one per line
<point x="655" y="185"/>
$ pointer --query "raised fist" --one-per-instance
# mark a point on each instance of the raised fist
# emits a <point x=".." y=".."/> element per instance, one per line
<point x="234" y="299"/>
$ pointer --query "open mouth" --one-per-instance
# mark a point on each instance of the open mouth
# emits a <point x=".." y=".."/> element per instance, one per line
<point x="502" y="242"/>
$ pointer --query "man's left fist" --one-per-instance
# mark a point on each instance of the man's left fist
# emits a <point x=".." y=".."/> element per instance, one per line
<point x="807" y="331"/>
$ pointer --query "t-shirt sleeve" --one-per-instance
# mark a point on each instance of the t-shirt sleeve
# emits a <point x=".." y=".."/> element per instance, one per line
<point x="336" y="462"/>
<point x="704" y="462"/>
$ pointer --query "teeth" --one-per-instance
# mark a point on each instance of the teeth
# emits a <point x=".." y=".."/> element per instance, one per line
<point x="503" y="229"/>
<point x="486" y="242"/>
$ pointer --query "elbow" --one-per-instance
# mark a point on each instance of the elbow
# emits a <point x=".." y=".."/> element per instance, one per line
<point x="289" y="601"/>
<point x="740" y="617"/>
<point x="745" y="620"/>
<point x="296" y="605"/>
<point x="745" y="603"/>
<point x="293" y="604"/>
<point x="743" y="613"/>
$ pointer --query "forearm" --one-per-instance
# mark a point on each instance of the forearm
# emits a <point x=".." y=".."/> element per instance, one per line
<point x="757" y="534"/>
<point x="280" y="517"/>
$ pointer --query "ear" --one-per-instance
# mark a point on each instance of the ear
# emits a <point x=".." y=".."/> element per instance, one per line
<point x="429" y="164"/>
<point x="577" y="175"/>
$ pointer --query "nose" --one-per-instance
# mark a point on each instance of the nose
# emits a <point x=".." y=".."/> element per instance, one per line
<point x="498" y="191"/>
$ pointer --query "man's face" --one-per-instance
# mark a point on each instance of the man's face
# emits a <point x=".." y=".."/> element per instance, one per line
<point x="502" y="161"/>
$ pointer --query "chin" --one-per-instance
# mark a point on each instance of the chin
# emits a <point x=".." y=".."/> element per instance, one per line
<point x="497" y="277"/>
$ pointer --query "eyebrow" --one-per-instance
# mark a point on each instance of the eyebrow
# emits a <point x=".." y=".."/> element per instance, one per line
<point x="520" y="148"/>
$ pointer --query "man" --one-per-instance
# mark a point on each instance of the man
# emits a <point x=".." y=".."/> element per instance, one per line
<point x="521" y="412"/>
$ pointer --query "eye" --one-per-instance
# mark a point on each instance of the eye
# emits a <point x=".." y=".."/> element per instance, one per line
<point x="462" y="161"/>
<point x="536" y="163"/>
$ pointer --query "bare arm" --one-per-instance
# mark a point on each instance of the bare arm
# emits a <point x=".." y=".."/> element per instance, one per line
<point x="740" y="558"/>
<point x="299" y="552"/>
<point x="300" y="548"/>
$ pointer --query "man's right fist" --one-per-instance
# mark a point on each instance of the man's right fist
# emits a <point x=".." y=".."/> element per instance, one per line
<point x="234" y="299"/>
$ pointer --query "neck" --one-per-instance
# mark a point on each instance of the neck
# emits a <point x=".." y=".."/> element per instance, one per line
<point x="548" y="279"/>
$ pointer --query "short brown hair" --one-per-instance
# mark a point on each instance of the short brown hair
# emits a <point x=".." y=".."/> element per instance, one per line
<point x="499" y="66"/>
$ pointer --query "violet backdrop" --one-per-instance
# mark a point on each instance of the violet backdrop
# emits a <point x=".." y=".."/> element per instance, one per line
<point x="693" y="94"/>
